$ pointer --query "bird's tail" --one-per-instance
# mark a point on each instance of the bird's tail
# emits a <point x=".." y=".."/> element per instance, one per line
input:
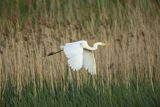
<point x="53" y="53"/>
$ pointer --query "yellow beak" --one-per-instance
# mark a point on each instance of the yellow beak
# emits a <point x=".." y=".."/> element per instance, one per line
<point x="103" y="44"/>
<point x="106" y="44"/>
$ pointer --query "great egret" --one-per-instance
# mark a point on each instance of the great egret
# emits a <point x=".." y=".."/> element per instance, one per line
<point x="80" y="54"/>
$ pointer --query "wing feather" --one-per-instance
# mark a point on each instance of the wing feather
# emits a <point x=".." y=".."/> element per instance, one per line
<point x="89" y="61"/>
<point x="74" y="53"/>
<point x="76" y="62"/>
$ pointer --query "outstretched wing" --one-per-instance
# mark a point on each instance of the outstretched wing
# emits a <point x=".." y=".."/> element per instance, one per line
<point x="74" y="53"/>
<point x="89" y="61"/>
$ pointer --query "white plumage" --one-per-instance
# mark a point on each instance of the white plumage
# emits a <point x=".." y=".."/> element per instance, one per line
<point x="89" y="62"/>
<point x="74" y="53"/>
<point x="80" y="54"/>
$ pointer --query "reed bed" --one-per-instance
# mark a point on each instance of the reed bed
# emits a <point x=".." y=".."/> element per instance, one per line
<point x="30" y="29"/>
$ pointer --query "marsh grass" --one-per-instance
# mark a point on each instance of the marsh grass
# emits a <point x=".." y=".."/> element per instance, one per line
<point x="83" y="96"/>
<point x="30" y="29"/>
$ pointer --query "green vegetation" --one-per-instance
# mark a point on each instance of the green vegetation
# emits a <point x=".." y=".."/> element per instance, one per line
<point x="128" y="72"/>
<point x="85" y="96"/>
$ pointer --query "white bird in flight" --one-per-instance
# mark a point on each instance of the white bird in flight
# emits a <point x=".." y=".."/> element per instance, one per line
<point x="80" y="54"/>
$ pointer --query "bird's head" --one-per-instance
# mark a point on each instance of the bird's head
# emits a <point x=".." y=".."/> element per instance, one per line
<point x="107" y="43"/>
<point x="102" y="44"/>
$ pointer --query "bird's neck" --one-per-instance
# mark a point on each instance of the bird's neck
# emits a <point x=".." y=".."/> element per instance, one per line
<point x="95" y="46"/>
